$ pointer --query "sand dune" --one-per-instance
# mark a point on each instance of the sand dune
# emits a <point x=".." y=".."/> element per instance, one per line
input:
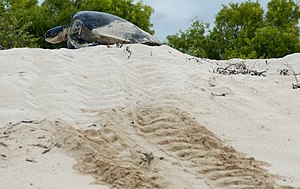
<point x="146" y="117"/>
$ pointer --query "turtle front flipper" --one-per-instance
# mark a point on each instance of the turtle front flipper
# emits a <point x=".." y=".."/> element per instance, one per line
<point x="73" y="44"/>
<point x="76" y="38"/>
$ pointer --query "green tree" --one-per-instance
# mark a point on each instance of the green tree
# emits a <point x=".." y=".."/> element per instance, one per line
<point x="235" y="25"/>
<point x="192" y="41"/>
<point x="272" y="42"/>
<point x="14" y="27"/>
<point x="280" y="35"/>
<point x="242" y="30"/>
<point x="283" y="13"/>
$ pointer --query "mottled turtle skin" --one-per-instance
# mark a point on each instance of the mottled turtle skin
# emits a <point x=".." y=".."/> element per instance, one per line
<point x="89" y="28"/>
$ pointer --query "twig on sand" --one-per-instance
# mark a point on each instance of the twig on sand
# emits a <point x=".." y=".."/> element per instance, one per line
<point x="222" y="94"/>
<point x="193" y="58"/>
<point x="40" y="145"/>
<point x="43" y="146"/>
<point x="31" y="160"/>
<point x="297" y="85"/>
<point x="119" y="45"/>
<point x="127" y="49"/>
<point x="147" y="158"/>
<point x="284" y="72"/>
<point x="27" y="122"/>
<point x="46" y="151"/>
<point x="3" y="144"/>
<point x="238" y="68"/>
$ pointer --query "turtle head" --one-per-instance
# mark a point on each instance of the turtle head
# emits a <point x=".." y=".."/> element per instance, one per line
<point x="57" y="34"/>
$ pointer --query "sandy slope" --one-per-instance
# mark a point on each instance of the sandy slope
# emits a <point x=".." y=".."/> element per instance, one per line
<point x="145" y="117"/>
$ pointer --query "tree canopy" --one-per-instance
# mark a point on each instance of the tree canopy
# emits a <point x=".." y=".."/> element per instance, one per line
<point x="242" y="30"/>
<point x="245" y="31"/>
<point x="23" y="23"/>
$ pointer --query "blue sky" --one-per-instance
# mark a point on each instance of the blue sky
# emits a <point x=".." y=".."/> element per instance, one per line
<point x="172" y="15"/>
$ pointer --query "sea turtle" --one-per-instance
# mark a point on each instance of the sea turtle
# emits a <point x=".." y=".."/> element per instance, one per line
<point x="89" y="28"/>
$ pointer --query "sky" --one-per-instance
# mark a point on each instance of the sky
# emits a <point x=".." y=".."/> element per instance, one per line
<point x="172" y="15"/>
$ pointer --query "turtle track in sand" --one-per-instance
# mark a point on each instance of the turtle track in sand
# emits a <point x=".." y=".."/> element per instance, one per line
<point x="204" y="155"/>
<point x="113" y="154"/>
<point x="126" y="125"/>
<point x="144" y="147"/>
<point x="108" y="158"/>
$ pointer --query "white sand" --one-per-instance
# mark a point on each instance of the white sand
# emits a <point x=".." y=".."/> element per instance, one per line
<point x="103" y="113"/>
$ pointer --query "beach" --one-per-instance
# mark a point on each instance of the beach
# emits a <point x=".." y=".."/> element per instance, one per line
<point x="147" y="117"/>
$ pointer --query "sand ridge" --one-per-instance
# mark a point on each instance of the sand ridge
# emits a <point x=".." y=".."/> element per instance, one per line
<point x="151" y="118"/>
